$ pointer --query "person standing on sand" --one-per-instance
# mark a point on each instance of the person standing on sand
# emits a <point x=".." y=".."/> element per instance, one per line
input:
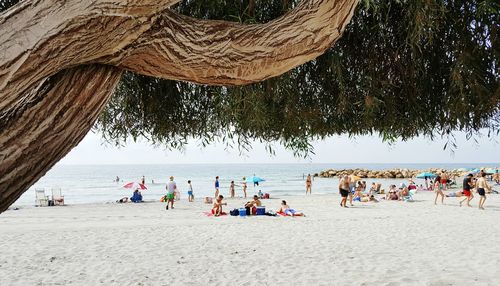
<point x="244" y="187"/>
<point x="467" y="186"/>
<point x="143" y="180"/>
<point x="444" y="181"/>
<point x="217" y="186"/>
<point x="190" y="192"/>
<point x="171" y="189"/>
<point x="344" y="190"/>
<point x="438" y="190"/>
<point x="482" y="186"/>
<point x="309" y="184"/>
<point x="231" y="189"/>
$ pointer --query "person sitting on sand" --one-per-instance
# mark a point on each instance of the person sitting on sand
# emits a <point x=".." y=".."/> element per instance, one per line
<point x="369" y="198"/>
<point x="217" y="208"/>
<point x="392" y="195"/>
<point x="252" y="205"/>
<point x="358" y="192"/>
<point x="136" y="197"/>
<point x="260" y="194"/>
<point x="287" y="210"/>
<point x="403" y="191"/>
<point x="496" y="176"/>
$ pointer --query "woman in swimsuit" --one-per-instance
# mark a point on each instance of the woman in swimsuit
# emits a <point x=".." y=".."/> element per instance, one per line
<point x="308" y="184"/>
<point x="244" y="187"/>
<point x="438" y="190"/>
<point x="286" y="209"/>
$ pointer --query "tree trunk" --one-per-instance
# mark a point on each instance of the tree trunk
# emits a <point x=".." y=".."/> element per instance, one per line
<point x="51" y="120"/>
<point x="60" y="61"/>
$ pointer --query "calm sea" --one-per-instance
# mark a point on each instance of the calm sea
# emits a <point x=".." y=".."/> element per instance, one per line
<point x="95" y="184"/>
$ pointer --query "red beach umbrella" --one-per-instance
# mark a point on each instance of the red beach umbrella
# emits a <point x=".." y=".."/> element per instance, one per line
<point x="135" y="186"/>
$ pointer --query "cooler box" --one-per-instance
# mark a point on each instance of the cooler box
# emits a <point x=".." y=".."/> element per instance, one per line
<point x="243" y="212"/>
<point x="261" y="210"/>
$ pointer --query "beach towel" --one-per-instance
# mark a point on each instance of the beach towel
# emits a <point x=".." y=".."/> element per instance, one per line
<point x="211" y="214"/>
<point x="282" y="214"/>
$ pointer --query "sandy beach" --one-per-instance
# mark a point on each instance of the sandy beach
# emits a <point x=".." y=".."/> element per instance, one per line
<point x="386" y="243"/>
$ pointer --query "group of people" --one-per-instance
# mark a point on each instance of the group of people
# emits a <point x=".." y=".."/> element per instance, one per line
<point x="232" y="187"/>
<point x="356" y="190"/>
<point x="251" y="207"/>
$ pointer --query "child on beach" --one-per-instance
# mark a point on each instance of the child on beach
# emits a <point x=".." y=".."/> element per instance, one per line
<point x="217" y="208"/>
<point x="190" y="192"/>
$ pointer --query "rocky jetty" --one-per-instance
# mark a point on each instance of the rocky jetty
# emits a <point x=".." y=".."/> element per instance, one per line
<point x="386" y="174"/>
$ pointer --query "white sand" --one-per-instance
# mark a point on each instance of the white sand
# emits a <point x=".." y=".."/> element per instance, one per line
<point x="389" y="243"/>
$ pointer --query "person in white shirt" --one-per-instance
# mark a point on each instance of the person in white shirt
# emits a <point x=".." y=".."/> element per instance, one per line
<point x="171" y="189"/>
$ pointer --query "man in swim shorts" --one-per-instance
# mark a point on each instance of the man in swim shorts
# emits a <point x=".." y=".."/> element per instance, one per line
<point x="482" y="185"/>
<point x="171" y="189"/>
<point x="344" y="190"/>
<point x="467" y="186"/>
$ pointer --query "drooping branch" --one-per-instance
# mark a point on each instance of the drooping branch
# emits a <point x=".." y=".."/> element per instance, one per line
<point x="226" y="53"/>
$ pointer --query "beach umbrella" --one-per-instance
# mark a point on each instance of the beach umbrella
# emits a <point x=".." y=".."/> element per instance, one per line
<point x="135" y="186"/>
<point x="426" y="174"/>
<point x="491" y="171"/>
<point x="474" y="171"/>
<point x="255" y="180"/>
<point x="354" y="178"/>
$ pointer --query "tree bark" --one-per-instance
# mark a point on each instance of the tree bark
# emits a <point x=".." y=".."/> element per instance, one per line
<point x="52" y="119"/>
<point x="60" y="61"/>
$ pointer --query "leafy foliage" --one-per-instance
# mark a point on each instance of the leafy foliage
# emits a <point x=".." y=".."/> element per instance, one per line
<point x="402" y="69"/>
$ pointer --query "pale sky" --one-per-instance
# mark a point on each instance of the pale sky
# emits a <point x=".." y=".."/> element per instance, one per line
<point x="364" y="149"/>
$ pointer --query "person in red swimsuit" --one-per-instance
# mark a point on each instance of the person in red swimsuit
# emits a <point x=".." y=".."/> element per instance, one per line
<point x="468" y="185"/>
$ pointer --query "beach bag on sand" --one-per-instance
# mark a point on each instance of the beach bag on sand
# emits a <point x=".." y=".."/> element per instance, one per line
<point x="234" y="212"/>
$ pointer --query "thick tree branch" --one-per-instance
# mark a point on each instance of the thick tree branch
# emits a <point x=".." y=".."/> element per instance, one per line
<point x="224" y="53"/>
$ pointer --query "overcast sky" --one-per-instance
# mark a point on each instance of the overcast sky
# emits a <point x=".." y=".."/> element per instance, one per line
<point x="366" y="149"/>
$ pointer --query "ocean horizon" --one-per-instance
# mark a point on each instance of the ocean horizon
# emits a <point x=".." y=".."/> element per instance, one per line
<point x="83" y="184"/>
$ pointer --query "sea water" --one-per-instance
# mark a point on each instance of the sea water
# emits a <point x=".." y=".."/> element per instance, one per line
<point x="96" y="184"/>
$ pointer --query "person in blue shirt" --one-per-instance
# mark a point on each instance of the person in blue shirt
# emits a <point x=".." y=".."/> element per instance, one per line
<point x="136" y="197"/>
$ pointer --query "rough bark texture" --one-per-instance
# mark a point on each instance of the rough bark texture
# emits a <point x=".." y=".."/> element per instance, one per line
<point x="53" y="82"/>
<point x="53" y="118"/>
